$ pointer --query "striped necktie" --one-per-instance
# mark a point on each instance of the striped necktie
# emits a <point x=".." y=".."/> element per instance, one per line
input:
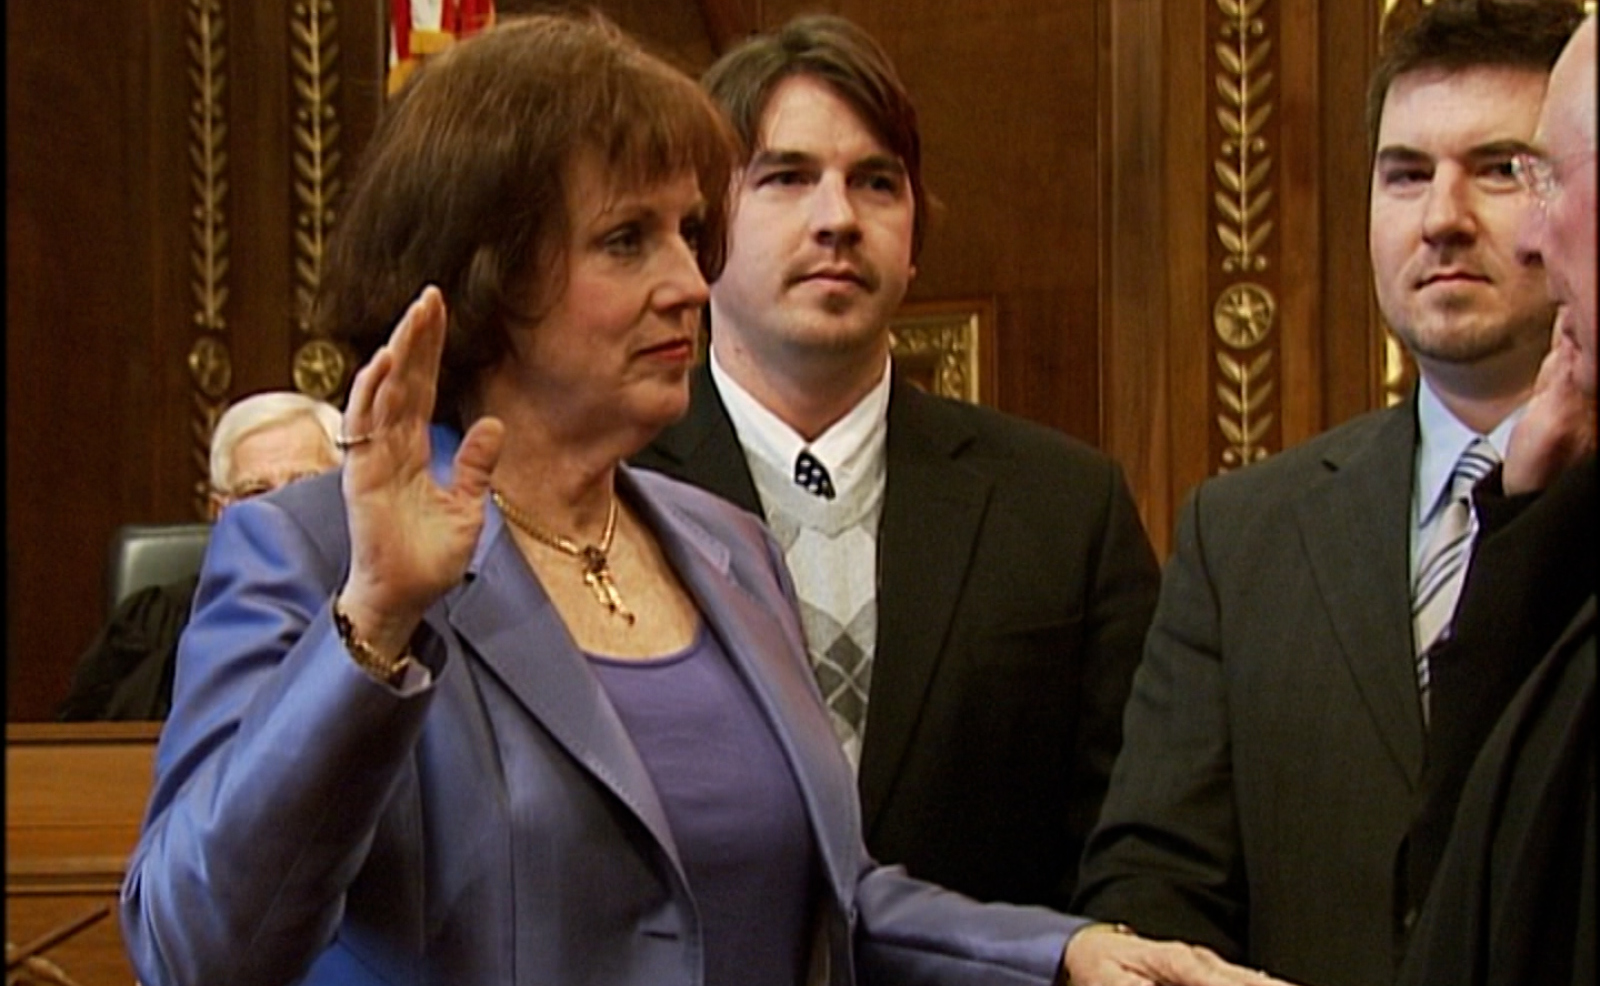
<point x="1443" y="564"/>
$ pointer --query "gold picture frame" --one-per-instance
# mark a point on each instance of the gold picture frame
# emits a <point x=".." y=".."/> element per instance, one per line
<point x="947" y="347"/>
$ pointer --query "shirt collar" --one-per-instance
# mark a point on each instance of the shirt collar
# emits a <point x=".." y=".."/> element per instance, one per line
<point x="1442" y="440"/>
<point x="848" y="449"/>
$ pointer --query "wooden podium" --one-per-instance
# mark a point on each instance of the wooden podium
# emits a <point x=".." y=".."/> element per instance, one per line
<point x="75" y="796"/>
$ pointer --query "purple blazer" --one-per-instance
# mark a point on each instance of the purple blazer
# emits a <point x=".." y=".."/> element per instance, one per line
<point x="495" y="827"/>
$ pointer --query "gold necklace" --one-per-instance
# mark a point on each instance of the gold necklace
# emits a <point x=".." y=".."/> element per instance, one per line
<point x="596" y="566"/>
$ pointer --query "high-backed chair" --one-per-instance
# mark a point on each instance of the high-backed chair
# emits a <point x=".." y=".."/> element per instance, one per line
<point x="144" y="555"/>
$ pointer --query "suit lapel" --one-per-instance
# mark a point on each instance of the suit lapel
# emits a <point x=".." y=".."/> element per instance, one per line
<point x="1355" y="527"/>
<point x="761" y="635"/>
<point x="504" y="618"/>
<point x="933" y="507"/>
<point x="703" y="448"/>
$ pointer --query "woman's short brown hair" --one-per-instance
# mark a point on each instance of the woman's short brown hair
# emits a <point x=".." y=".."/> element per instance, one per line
<point x="464" y="184"/>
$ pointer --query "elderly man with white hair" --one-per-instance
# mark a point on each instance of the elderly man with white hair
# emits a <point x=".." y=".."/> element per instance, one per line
<point x="268" y="440"/>
<point x="262" y="442"/>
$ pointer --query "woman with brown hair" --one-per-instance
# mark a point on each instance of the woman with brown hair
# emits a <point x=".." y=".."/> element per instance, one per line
<point x="488" y="707"/>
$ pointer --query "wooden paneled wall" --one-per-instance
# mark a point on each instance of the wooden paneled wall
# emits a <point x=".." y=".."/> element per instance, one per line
<point x="172" y="166"/>
<point x="1238" y="314"/>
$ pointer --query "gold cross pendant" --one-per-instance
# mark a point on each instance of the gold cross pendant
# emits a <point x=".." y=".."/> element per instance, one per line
<point x="597" y="576"/>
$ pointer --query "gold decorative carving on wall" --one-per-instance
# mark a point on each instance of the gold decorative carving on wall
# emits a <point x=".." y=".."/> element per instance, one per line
<point x="1245" y="389"/>
<point x="1245" y="312"/>
<point x="1243" y="164"/>
<point x="1396" y="371"/>
<point x="319" y="366"/>
<point x="1244" y="315"/>
<point x="947" y="347"/>
<point x="210" y="367"/>
<point x="210" y="363"/>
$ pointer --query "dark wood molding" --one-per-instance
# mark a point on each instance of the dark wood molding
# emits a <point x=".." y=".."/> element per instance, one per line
<point x="1350" y="358"/>
<point x="1134" y="370"/>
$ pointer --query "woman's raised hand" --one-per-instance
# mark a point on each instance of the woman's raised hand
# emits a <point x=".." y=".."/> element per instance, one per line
<point x="410" y="537"/>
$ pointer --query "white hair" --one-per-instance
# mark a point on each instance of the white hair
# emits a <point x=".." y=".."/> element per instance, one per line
<point x="250" y="414"/>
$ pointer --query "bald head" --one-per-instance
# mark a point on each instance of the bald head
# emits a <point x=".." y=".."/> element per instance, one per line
<point x="1571" y="99"/>
<point x="1560" y="231"/>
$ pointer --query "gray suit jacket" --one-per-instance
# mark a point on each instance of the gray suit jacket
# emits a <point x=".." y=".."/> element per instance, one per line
<point x="1015" y="585"/>
<point x="496" y="827"/>
<point x="1274" y="736"/>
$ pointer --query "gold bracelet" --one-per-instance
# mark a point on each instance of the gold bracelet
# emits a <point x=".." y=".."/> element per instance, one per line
<point x="387" y="670"/>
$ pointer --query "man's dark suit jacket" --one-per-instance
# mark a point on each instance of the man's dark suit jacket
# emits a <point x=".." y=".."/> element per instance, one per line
<point x="1274" y="737"/>
<point x="1015" y="585"/>
<point x="1532" y="567"/>
<point x="1513" y="901"/>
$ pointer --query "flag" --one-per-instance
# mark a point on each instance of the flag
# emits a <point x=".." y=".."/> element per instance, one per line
<point x="419" y="28"/>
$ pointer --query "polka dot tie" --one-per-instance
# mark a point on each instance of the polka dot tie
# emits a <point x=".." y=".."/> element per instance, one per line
<point x="813" y="475"/>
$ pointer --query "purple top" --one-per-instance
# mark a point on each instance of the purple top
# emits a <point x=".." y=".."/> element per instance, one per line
<point x="733" y="806"/>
